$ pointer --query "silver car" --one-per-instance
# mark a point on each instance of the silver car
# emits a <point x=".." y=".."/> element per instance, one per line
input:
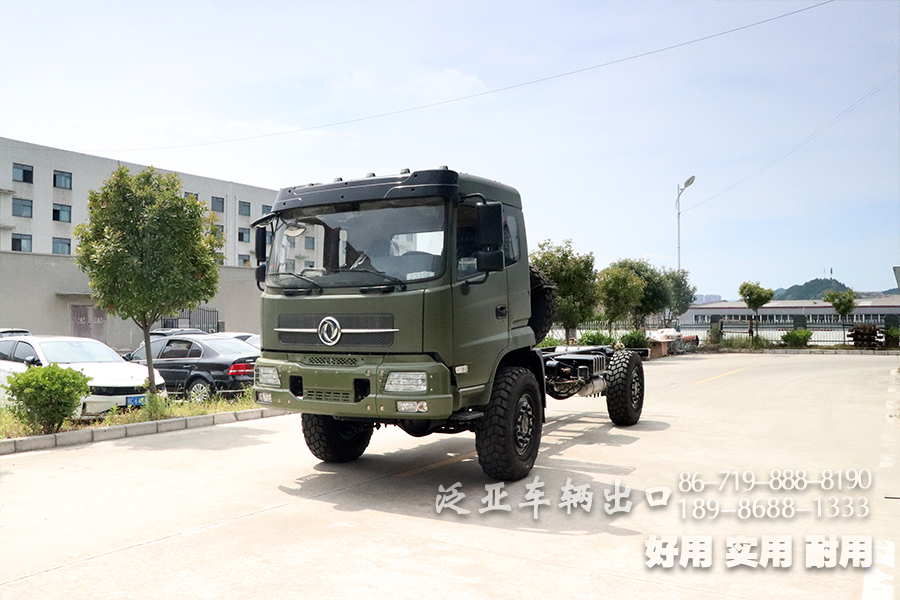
<point x="114" y="381"/>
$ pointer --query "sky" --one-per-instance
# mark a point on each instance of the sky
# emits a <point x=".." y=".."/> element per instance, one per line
<point x="596" y="111"/>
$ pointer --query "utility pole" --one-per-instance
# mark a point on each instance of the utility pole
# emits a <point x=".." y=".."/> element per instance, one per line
<point x="687" y="184"/>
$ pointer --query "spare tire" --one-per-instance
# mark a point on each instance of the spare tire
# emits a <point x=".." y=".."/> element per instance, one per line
<point x="543" y="304"/>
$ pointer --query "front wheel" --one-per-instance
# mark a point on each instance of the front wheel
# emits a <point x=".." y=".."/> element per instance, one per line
<point x="625" y="393"/>
<point x="331" y="440"/>
<point x="508" y="436"/>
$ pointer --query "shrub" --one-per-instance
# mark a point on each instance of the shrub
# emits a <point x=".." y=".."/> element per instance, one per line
<point x="797" y="338"/>
<point x="635" y="339"/>
<point x="596" y="338"/>
<point x="892" y="337"/>
<point x="549" y="342"/>
<point x="714" y="337"/>
<point x="44" y="397"/>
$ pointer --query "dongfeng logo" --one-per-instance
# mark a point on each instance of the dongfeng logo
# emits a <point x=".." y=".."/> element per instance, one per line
<point x="329" y="331"/>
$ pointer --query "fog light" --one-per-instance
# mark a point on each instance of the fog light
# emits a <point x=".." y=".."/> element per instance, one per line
<point x="268" y="376"/>
<point x="264" y="397"/>
<point x="411" y="406"/>
<point x="406" y="382"/>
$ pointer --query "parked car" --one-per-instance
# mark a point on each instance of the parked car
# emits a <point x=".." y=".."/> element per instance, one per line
<point x="199" y="365"/>
<point x="114" y="382"/>
<point x="8" y="331"/>
<point x="177" y="331"/>
<point x="250" y="338"/>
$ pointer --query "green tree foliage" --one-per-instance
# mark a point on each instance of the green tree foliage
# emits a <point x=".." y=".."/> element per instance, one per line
<point x="843" y="302"/>
<point x="619" y="292"/>
<point x="657" y="294"/>
<point x="44" y="397"/>
<point x="682" y="293"/>
<point x="573" y="275"/>
<point x="148" y="251"/>
<point x="755" y="297"/>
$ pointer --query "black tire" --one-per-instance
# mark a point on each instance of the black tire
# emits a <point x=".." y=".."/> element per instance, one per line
<point x="508" y="436"/>
<point x="625" y="394"/>
<point x="198" y="390"/>
<point x="336" y="441"/>
<point x="543" y="304"/>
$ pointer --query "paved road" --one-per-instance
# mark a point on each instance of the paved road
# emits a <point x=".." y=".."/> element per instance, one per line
<point x="244" y="511"/>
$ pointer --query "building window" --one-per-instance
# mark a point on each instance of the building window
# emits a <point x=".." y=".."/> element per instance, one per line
<point x="244" y="260"/>
<point x="269" y="236"/>
<point x="23" y="173"/>
<point x="62" y="213"/>
<point x="310" y="242"/>
<point x="218" y="204"/>
<point x="244" y="209"/>
<point x="266" y="209"/>
<point x="62" y="246"/>
<point x="243" y="234"/>
<point x="62" y="179"/>
<point x="289" y="265"/>
<point x="191" y="195"/>
<point x="220" y="231"/>
<point x="22" y="208"/>
<point x="309" y="264"/>
<point x="21" y="242"/>
<point x="220" y="260"/>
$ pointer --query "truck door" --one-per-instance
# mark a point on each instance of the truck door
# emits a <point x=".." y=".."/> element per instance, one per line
<point x="480" y="310"/>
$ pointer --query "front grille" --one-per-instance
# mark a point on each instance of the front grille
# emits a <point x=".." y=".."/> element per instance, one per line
<point x="327" y="396"/>
<point x="331" y="361"/>
<point x="117" y="391"/>
<point x="310" y="324"/>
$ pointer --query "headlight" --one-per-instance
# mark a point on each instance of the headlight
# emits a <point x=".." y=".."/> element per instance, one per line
<point x="268" y="376"/>
<point x="406" y="382"/>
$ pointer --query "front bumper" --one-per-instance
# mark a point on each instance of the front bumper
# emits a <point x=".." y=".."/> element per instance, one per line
<point x="354" y="386"/>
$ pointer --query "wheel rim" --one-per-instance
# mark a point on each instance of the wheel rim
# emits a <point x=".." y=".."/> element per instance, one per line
<point x="524" y="424"/>
<point x="199" y="392"/>
<point x="637" y="389"/>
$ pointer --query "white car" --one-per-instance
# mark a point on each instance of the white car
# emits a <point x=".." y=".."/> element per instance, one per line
<point x="114" y="381"/>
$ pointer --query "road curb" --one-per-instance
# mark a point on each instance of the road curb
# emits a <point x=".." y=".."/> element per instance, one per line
<point x="102" y="434"/>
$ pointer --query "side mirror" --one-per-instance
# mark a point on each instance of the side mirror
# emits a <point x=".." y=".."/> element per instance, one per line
<point x="261" y="273"/>
<point x="129" y="357"/>
<point x="32" y="361"/>
<point x="260" y="248"/>
<point x="489" y="226"/>
<point x="489" y="261"/>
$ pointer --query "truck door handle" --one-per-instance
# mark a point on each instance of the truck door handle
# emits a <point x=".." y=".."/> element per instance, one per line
<point x="501" y="311"/>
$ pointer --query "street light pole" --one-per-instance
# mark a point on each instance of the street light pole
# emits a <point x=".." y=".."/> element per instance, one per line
<point x="687" y="184"/>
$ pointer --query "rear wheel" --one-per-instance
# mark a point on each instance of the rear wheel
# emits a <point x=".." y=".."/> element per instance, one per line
<point x="198" y="390"/>
<point x="508" y="436"/>
<point x="331" y="440"/>
<point x="625" y="394"/>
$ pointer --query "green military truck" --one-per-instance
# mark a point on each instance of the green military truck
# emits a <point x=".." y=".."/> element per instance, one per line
<point x="408" y="300"/>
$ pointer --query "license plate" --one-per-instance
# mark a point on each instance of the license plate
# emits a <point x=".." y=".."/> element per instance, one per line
<point x="134" y="400"/>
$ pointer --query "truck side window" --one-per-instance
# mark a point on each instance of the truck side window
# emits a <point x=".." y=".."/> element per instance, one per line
<point x="465" y="242"/>
<point x="511" y="246"/>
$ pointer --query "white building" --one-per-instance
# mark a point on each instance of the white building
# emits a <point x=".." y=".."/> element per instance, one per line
<point x="43" y="196"/>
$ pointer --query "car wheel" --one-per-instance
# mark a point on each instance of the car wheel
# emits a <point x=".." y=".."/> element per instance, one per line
<point x="198" y="390"/>
<point x="331" y="440"/>
<point x="625" y="394"/>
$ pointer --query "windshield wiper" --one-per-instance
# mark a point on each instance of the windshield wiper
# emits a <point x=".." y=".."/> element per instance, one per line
<point x="314" y="286"/>
<point x="383" y="287"/>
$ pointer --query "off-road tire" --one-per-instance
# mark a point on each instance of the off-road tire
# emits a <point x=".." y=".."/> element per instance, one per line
<point x="335" y="441"/>
<point x="625" y="393"/>
<point x="543" y="304"/>
<point x="508" y="436"/>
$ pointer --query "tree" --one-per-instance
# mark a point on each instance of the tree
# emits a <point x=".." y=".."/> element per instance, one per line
<point x="843" y="302"/>
<point x="682" y="294"/>
<point x="148" y="250"/>
<point x="620" y="291"/>
<point x="573" y="275"/>
<point x="755" y="297"/>
<point x="657" y="289"/>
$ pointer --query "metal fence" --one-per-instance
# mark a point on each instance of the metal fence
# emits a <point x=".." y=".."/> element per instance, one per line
<point x="828" y="334"/>
<point x="206" y="319"/>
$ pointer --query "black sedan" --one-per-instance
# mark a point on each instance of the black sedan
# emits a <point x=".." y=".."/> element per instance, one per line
<point x="199" y="365"/>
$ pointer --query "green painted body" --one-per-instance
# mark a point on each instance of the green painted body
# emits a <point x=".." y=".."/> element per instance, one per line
<point x="453" y="327"/>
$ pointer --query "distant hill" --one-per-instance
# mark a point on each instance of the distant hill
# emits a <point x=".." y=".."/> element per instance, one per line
<point x="811" y="290"/>
<point x="891" y="291"/>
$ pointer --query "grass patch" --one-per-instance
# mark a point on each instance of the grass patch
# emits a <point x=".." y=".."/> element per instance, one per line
<point x="156" y="408"/>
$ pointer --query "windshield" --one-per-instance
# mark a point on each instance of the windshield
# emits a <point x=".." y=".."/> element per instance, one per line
<point x="78" y="351"/>
<point x="359" y="244"/>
